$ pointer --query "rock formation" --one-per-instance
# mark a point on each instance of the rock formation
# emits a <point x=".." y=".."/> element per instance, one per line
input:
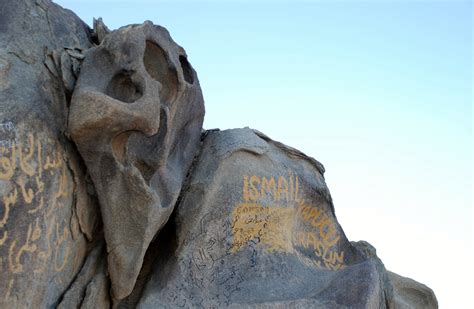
<point x="136" y="116"/>
<point x="111" y="195"/>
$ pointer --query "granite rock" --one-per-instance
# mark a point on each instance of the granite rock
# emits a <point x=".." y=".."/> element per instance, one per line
<point x="411" y="294"/>
<point x="136" y="116"/>
<point x="255" y="227"/>
<point x="111" y="195"/>
<point x="47" y="218"/>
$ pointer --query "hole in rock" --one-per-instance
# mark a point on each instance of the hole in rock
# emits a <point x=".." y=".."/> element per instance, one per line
<point x="159" y="69"/>
<point x="122" y="88"/>
<point x="187" y="70"/>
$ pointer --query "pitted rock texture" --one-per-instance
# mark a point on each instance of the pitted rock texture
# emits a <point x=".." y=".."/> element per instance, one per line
<point x="136" y="116"/>
<point x="112" y="197"/>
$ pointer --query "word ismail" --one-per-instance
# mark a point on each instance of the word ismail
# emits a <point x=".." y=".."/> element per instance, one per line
<point x="280" y="189"/>
<point x="275" y="215"/>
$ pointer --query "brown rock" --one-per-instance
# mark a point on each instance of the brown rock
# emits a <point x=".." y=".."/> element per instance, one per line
<point x="136" y="117"/>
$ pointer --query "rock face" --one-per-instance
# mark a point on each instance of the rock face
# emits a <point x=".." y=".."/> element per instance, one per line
<point x="411" y="294"/>
<point x="47" y="218"/>
<point x="256" y="225"/>
<point x="136" y="116"/>
<point x="110" y="195"/>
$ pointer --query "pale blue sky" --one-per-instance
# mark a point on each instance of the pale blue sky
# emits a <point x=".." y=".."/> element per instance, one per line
<point x="379" y="91"/>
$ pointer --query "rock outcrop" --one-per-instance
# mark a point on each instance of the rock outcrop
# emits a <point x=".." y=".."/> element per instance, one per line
<point x="256" y="226"/>
<point x="48" y="214"/>
<point x="411" y="294"/>
<point x="136" y="116"/>
<point x="111" y="195"/>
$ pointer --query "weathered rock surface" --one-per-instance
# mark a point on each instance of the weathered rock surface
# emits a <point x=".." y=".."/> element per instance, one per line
<point x="46" y="215"/>
<point x="256" y="227"/>
<point x="411" y="294"/>
<point x="136" y="116"/>
<point x="90" y="288"/>
<point x="110" y="196"/>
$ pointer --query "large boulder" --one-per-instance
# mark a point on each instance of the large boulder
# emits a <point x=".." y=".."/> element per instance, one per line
<point x="47" y="218"/>
<point x="110" y="196"/>
<point x="136" y="117"/>
<point x="411" y="294"/>
<point x="256" y="227"/>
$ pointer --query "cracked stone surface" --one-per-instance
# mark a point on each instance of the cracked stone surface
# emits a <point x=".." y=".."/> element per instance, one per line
<point x="112" y="195"/>
<point x="47" y="218"/>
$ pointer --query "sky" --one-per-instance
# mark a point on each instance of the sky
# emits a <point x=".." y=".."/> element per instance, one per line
<point x="380" y="92"/>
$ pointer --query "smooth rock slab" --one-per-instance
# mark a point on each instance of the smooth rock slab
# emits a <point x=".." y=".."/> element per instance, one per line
<point x="255" y="226"/>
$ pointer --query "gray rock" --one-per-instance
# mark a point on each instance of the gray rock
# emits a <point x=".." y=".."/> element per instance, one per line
<point x="411" y="294"/>
<point x="46" y="215"/>
<point x="90" y="288"/>
<point x="255" y="227"/>
<point x="104" y="203"/>
<point x="136" y="116"/>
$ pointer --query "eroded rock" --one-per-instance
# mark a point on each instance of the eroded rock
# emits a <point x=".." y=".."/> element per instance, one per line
<point x="136" y="117"/>
<point x="411" y="294"/>
<point x="46" y="215"/>
<point x="90" y="288"/>
<point x="256" y="227"/>
<point x="253" y="224"/>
